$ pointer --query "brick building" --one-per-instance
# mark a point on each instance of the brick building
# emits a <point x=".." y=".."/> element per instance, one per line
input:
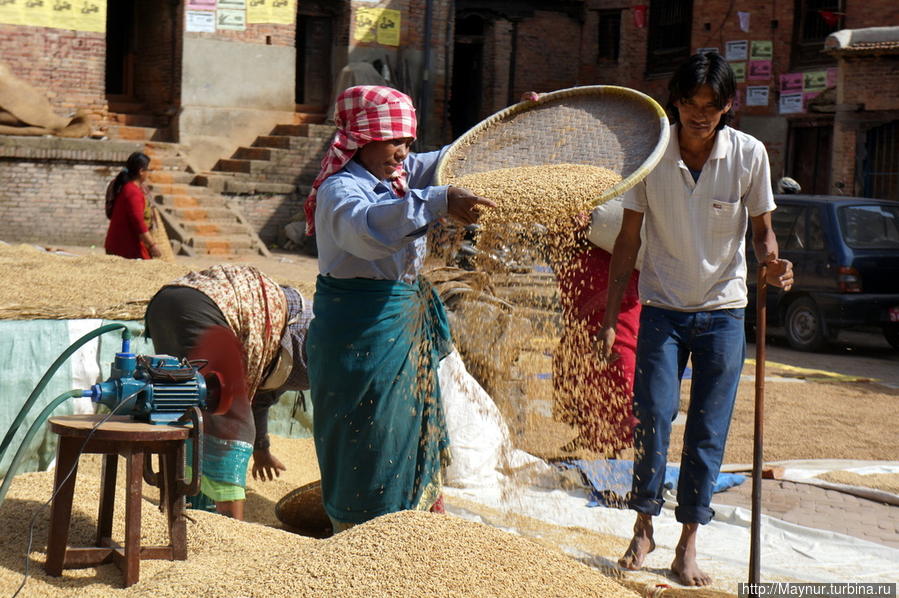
<point x="220" y="82"/>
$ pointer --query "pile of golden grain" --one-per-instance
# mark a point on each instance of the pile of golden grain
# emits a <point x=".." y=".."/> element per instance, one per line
<point x="403" y="554"/>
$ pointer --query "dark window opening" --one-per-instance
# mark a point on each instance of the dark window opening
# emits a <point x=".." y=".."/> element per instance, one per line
<point x="815" y="20"/>
<point x="468" y="65"/>
<point x="670" y="24"/>
<point x="880" y="177"/>
<point x="808" y="156"/>
<point x="609" y="35"/>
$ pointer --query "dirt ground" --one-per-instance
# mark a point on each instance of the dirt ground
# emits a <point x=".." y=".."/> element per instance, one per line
<point x="813" y="409"/>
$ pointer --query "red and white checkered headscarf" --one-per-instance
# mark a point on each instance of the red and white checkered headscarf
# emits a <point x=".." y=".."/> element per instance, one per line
<point x="364" y="113"/>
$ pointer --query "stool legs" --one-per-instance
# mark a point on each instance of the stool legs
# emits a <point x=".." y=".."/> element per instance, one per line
<point x="133" y="497"/>
<point x="172" y="464"/>
<point x="67" y="453"/>
<point x="107" y="500"/>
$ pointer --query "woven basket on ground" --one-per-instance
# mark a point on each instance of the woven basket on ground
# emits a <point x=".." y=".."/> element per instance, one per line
<point x="616" y="128"/>
<point x="301" y="510"/>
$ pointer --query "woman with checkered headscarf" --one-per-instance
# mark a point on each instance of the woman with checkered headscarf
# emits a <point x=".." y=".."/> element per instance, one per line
<point x="379" y="329"/>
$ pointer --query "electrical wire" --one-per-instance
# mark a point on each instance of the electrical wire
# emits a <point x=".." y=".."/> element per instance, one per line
<point x="41" y="508"/>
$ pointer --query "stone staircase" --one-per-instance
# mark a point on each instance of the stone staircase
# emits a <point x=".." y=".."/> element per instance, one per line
<point x="284" y="161"/>
<point x="198" y="220"/>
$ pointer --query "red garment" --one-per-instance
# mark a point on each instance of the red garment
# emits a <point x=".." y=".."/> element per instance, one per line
<point x="127" y="223"/>
<point x="364" y="113"/>
<point x="595" y="400"/>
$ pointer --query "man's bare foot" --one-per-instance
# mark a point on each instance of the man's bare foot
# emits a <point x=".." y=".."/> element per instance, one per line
<point x="684" y="564"/>
<point x="641" y="544"/>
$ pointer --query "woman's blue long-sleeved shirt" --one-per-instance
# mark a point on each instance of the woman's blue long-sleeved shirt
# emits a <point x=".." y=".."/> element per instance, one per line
<point x="363" y="230"/>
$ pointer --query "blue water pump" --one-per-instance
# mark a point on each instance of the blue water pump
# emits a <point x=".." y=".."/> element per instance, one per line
<point x="157" y="388"/>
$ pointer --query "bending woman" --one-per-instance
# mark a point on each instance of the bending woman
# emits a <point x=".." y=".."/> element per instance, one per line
<point x="271" y="323"/>
<point x="379" y="329"/>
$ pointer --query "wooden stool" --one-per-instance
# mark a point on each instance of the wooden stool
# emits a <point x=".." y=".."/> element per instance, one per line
<point x="136" y="442"/>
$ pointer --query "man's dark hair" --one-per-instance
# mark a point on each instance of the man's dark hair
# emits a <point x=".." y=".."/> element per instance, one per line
<point x="703" y="69"/>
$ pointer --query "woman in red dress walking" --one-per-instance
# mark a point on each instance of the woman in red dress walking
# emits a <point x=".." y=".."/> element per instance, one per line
<point x="127" y="208"/>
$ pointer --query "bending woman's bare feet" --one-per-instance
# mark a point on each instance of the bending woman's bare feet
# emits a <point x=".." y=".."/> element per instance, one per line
<point x="684" y="564"/>
<point x="641" y="544"/>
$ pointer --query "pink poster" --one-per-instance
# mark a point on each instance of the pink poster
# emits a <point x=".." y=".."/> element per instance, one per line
<point x="807" y="97"/>
<point x="791" y="83"/>
<point x="759" y="70"/>
<point x="201" y="4"/>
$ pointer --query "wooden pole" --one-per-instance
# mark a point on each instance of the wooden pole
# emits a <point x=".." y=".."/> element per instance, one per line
<point x="757" y="456"/>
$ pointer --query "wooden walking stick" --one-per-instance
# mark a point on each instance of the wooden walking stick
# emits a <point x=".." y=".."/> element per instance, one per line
<point x="757" y="458"/>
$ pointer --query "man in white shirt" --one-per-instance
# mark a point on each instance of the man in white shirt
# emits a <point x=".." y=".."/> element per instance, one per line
<point x="694" y="206"/>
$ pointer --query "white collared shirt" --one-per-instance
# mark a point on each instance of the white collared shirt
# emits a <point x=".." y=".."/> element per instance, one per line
<point x="694" y="233"/>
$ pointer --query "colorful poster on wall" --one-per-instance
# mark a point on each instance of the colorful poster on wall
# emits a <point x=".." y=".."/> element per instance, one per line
<point x="366" y="24"/>
<point x="201" y="5"/>
<point x="761" y="50"/>
<point x="757" y="95"/>
<point x="389" y="26"/>
<point x="791" y="83"/>
<point x="808" y="97"/>
<point x="814" y="81"/>
<point x="231" y="19"/>
<point x="11" y="12"/>
<point x="739" y="71"/>
<point x="759" y="70"/>
<point x="279" y="12"/>
<point x="743" y="20"/>
<point x="232" y="4"/>
<point x="736" y="50"/>
<point x="200" y="21"/>
<point x="832" y="77"/>
<point x="790" y="103"/>
<point x="37" y="13"/>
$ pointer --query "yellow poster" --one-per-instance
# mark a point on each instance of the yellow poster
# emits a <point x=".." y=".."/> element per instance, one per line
<point x="258" y="11"/>
<point x="282" y="12"/>
<point x="11" y="12"/>
<point x="366" y="24"/>
<point x="78" y="15"/>
<point x="389" y="27"/>
<point x="37" y="13"/>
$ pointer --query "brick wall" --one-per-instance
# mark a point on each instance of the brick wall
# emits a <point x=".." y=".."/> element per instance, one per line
<point x="269" y="213"/>
<point x="158" y="68"/>
<point x="69" y="66"/>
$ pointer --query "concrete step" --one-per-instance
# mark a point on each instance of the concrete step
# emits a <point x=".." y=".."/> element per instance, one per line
<point x="305" y="130"/>
<point x="201" y="228"/>
<point x="193" y="201"/>
<point x="309" y="118"/>
<point x="140" y="120"/>
<point x="201" y="214"/>
<point x="178" y="189"/>
<point x="242" y="184"/>
<point x="223" y="243"/>
<point x="129" y="133"/>
<point x="253" y="153"/>
<point x="313" y="147"/>
<point x="170" y="177"/>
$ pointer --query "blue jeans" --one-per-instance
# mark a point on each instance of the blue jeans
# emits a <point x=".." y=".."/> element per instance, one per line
<point x="716" y="340"/>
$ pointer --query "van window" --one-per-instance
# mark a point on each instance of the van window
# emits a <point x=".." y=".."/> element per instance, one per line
<point x="870" y="226"/>
<point x="815" y="233"/>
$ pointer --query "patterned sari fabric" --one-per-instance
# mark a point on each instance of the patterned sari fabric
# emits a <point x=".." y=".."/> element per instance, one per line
<point x="255" y="308"/>
<point x="380" y="433"/>
<point x="594" y="398"/>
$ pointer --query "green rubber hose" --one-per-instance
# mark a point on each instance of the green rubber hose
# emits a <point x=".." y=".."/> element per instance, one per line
<point x="126" y="335"/>
<point x="23" y="448"/>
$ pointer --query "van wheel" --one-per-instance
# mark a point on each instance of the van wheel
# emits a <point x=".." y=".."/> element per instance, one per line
<point x="804" y="325"/>
<point x="891" y="333"/>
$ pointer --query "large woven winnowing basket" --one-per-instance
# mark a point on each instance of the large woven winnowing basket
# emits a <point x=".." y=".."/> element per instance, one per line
<point x="616" y="128"/>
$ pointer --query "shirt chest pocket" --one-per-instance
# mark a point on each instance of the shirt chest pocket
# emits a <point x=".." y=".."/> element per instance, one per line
<point x="724" y="214"/>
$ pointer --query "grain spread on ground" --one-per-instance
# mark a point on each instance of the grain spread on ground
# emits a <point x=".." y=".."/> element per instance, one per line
<point x="402" y="554"/>
<point x="44" y="285"/>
